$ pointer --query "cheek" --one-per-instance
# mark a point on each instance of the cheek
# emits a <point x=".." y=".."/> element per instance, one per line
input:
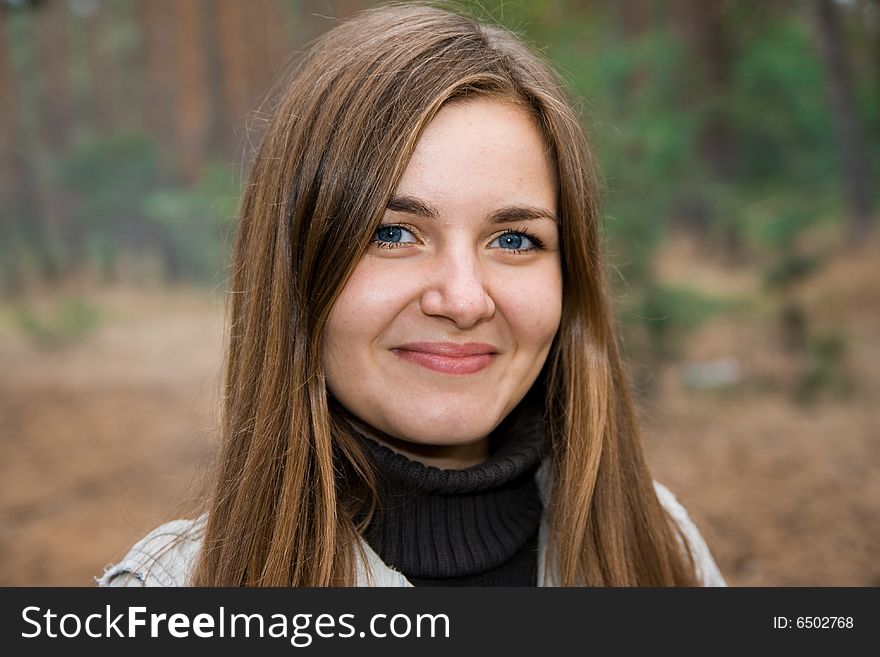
<point x="367" y="305"/>
<point x="361" y="293"/>
<point x="533" y="307"/>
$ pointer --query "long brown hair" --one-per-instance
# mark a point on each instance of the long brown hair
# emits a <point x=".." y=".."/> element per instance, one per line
<point x="339" y="139"/>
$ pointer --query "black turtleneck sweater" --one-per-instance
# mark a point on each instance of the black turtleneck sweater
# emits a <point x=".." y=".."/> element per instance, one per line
<point x="472" y="527"/>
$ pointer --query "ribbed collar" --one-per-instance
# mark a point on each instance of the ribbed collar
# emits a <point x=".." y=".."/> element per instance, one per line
<point x="438" y="523"/>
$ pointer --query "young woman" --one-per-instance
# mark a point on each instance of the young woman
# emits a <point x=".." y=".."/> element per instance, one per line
<point x="422" y="383"/>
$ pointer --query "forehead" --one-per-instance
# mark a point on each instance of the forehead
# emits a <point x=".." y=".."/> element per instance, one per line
<point x="481" y="149"/>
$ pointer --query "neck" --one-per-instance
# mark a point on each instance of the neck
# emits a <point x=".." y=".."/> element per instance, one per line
<point x="472" y="526"/>
<point x="445" y="457"/>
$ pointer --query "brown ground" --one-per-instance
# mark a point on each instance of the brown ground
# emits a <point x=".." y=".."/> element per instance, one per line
<point x="103" y="438"/>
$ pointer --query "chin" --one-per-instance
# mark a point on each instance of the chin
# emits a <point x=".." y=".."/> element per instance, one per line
<point x="458" y="422"/>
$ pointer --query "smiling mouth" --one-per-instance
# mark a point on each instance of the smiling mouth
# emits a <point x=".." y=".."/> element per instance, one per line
<point x="448" y="357"/>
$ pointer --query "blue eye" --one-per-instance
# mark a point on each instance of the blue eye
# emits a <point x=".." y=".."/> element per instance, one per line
<point x="391" y="234"/>
<point x="514" y="241"/>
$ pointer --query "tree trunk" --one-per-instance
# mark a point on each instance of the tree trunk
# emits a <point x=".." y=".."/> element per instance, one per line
<point x="234" y="86"/>
<point x="192" y="92"/>
<point x="851" y="141"/>
<point x="20" y="224"/>
<point x="104" y="74"/>
<point x="157" y="102"/>
<point x="707" y="31"/>
<point x="705" y="27"/>
<point x="51" y="22"/>
<point x="319" y="16"/>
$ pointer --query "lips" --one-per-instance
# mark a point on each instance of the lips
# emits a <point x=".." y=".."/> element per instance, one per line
<point x="448" y="357"/>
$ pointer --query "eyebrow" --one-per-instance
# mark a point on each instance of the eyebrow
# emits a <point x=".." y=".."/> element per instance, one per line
<point x="418" y="207"/>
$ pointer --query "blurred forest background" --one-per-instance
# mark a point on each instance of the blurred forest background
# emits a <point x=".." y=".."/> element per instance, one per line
<point x="739" y="147"/>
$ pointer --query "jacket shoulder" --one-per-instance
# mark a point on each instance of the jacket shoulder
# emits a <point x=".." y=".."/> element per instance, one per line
<point x="164" y="557"/>
<point x="707" y="570"/>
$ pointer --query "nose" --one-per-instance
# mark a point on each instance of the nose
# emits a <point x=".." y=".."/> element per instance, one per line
<point x="456" y="290"/>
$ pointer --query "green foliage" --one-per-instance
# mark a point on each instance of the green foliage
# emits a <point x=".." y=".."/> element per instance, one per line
<point x="198" y="221"/>
<point x="644" y="144"/>
<point x="108" y="176"/>
<point x="778" y="101"/>
<point x="666" y="315"/>
<point x="825" y="370"/>
<point x="127" y="210"/>
<point x="63" y="323"/>
<point x="791" y="268"/>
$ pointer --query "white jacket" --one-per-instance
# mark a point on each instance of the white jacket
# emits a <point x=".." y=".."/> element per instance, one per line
<point x="166" y="556"/>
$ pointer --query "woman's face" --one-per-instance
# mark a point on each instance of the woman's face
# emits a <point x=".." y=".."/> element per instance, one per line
<point x="446" y="322"/>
